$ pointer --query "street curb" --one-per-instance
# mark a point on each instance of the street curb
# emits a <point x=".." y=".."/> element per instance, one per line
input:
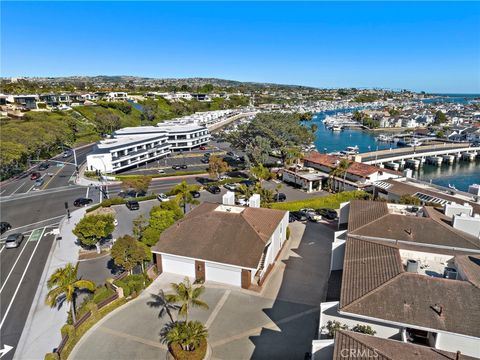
<point x="43" y="279"/>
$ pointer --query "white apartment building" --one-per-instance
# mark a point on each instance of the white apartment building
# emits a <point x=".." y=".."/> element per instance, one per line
<point x="116" y="96"/>
<point x="123" y="152"/>
<point x="185" y="137"/>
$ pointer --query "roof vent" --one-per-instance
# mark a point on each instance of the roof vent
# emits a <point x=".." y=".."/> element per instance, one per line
<point x="412" y="266"/>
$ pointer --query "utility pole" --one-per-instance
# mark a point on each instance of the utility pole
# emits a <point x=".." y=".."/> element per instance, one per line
<point x="75" y="159"/>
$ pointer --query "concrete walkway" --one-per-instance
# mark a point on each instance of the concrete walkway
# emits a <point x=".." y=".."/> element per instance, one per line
<point x="42" y="328"/>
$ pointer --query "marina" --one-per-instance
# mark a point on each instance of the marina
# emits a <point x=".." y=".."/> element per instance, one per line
<point x="459" y="170"/>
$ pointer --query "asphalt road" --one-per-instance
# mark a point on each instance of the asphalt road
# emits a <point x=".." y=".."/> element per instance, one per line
<point x="20" y="272"/>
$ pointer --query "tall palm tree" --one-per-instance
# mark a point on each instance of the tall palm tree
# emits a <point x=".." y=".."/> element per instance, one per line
<point x="187" y="295"/>
<point x="343" y="166"/>
<point x="183" y="192"/>
<point x="64" y="283"/>
<point x="166" y="307"/>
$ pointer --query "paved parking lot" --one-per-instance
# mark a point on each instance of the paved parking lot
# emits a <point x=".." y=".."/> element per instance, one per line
<point x="278" y="323"/>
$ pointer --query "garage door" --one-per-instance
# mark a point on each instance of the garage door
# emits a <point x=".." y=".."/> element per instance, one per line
<point x="178" y="265"/>
<point x="223" y="274"/>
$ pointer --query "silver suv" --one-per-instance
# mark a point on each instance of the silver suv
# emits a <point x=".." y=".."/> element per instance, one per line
<point x="13" y="240"/>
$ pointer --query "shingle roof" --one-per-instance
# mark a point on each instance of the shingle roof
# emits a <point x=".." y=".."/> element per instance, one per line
<point x="409" y="299"/>
<point x="469" y="265"/>
<point x="363" y="212"/>
<point x="220" y="236"/>
<point x="420" y="230"/>
<point x="354" y="346"/>
<point x="366" y="266"/>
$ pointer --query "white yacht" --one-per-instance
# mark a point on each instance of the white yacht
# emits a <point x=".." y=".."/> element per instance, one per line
<point x="414" y="143"/>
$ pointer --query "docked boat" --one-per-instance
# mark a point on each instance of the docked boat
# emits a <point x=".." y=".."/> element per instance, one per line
<point x="384" y="138"/>
<point x="414" y="143"/>
<point x="337" y="128"/>
<point x="351" y="150"/>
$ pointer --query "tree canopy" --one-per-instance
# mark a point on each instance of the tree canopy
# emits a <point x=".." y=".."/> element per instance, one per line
<point x="217" y="166"/>
<point x="128" y="252"/>
<point x="281" y="131"/>
<point x="93" y="228"/>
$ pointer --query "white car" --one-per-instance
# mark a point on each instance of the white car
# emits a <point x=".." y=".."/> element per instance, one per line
<point x="162" y="197"/>
<point x="115" y="222"/>
<point x="311" y="214"/>
<point x="224" y="177"/>
<point x="161" y="171"/>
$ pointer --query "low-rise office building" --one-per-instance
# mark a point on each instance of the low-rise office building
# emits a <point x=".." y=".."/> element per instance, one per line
<point x="185" y="137"/>
<point x="123" y="152"/>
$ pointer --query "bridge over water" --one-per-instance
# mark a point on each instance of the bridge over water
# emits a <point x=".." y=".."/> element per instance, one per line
<point x="416" y="156"/>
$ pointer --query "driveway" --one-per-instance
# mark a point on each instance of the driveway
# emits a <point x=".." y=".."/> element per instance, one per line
<point x="278" y="323"/>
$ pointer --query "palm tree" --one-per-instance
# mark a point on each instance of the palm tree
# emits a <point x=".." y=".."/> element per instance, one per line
<point x="183" y="192"/>
<point x="166" y="307"/>
<point x="64" y="284"/>
<point x="188" y="335"/>
<point x="187" y="295"/>
<point x="343" y="166"/>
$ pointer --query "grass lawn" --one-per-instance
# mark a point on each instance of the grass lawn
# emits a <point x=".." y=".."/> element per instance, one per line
<point x="331" y="201"/>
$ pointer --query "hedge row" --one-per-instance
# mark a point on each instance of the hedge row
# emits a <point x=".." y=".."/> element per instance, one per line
<point x="133" y="284"/>
<point x="330" y="201"/>
<point x="177" y="173"/>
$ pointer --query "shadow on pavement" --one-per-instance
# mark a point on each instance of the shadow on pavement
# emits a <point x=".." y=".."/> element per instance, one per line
<point x="296" y="310"/>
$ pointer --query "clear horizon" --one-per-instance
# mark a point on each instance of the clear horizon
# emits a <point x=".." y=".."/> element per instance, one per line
<point x="431" y="46"/>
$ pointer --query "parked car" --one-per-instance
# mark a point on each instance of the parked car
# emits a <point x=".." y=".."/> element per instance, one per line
<point x="231" y="154"/>
<point x="279" y="197"/>
<point x="224" y="177"/>
<point x="329" y="214"/>
<point x="205" y="160"/>
<point x="184" y="166"/>
<point x="43" y="166"/>
<point x="4" y="226"/>
<point x="176" y="167"/>
<point x="13" y="240"/>
<point x="311" y="214"/>
<point x="299" y="215"/>
<point x="133" y="205"/>
<point x="195" y="194"/>
<point x="131" y="194"/>
<point x="39" y="182"/>
<point x="82" y="202"/>
<point x="214" y="189"/>
<point x="115" y="222"/>
<point x="248" y="183"/>
<point x="67" y="153"/>
<point x="207" y="155"/>
<point x="161" y="171"/>
<point x="203" y="147"/>
<point x="231" y="187"/>
<point x="35" y="175"/>
<point x="162" y="197"/>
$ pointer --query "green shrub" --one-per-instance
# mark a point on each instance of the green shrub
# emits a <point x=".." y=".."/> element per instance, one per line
<point x="51" y="356"/>
<point x="102" y="293"/>
<point x="197" y="354"/>
<point x="176" y="173"/>
<point x="288" y="232"/>
<point x="67" y="329"/>
<point x="90" y="174"/>
<point x="330" y="201"/>
<point x="133" y="284"/>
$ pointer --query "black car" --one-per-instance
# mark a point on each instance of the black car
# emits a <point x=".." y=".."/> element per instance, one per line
<point x="231" y="153"/>
<point x="205" y="160"/>
<point x="195" y="194"/>
<point x="82" y="202"/>
<point x="184" y="166"/>
<point x="248" y="183"/>
<point x="214" y="189"/>
<point x="133" y="205"/>
<point x="176" y="167"/>
<point x="299" y="215"/>
<point x="131" y="194"/>
<point x="329" y="214"/>
<point x="4" y="226"/>
<point x="279" y="197"/>
<point x="43" y="166"/>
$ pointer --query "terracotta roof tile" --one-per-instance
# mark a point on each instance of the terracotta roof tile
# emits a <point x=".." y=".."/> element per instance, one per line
<point x="363" y="212"/>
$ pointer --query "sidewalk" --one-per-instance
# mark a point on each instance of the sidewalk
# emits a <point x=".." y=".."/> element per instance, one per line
<point x="41" y="333"/>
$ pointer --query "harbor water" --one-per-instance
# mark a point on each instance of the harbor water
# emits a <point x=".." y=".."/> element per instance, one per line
<point x="460" y="174"/>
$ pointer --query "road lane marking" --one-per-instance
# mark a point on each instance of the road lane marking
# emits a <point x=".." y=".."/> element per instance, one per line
<point x="23" y="183"/>
<point x="3" y="247"/>
<point x="2" y="192"/>
<point x="38" y="222"/>
<point x="15" y="263"/>
<point x="20" y="282"/>
<point x="88" y="189"/>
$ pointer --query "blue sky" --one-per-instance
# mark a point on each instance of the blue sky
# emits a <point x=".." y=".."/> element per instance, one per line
<point x="431" y="46"/>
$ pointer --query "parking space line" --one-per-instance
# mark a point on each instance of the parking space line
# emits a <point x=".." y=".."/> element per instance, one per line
<point x="23" y="183"/>
<point x="15" y="263"/>
<point x="20" y="283"/>
<point x="217" y="309"/>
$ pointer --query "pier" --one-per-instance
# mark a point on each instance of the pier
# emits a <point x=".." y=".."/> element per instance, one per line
<point x="416" y="156"/>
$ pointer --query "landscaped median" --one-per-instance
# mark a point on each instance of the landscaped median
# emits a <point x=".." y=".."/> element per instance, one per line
<point x="330" y="201"/>
<point x="119" y="201"/>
